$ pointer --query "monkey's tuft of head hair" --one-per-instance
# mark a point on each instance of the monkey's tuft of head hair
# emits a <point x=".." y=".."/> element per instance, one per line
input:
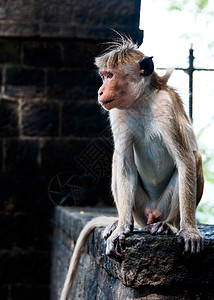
<point x="120" y="51"/>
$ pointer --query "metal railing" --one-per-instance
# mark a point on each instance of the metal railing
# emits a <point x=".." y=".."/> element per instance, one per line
<point x="190" y="70"/>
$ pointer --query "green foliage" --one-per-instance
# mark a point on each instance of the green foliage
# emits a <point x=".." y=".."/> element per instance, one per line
<point x="180" y="5"/>
<point x="205" y="212"/>
<point x="201" y="4"/>
<point x="177" y="5"/>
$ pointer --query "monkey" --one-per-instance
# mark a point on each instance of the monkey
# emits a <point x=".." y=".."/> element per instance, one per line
<point x="157" y="174"/>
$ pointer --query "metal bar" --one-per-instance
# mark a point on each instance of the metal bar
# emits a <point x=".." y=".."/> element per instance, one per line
<point x="190" y="71"/>
<point x="201" y="69"/>
<point x="186" y="70"/>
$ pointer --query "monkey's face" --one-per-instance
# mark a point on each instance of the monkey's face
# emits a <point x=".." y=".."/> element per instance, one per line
<point x="116" y="90"/>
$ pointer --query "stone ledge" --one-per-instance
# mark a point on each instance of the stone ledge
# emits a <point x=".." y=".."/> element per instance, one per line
<point x="153" y="266"/>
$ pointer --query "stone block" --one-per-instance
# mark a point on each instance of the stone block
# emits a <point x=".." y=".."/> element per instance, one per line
<point x="8" y="118"/>
<point x="95" y="160"/>
<point x="81" y="168"/>
<point x="19" y="220"/>
<point x="124" y="12"/>
<point x="74" y="19"/>
<point x="24" y="266"/>
<point x="80" y="54"/>
<point x="82" y="119"/>
<point x="21" y="157"/>
<point x="153" y="267"/>
<point x="1" y="156"/>
<point x="54" y="12"/>
<point x="22" y="229"/>
<point x="24" y="82"/>
<point x="10" y="51"/>
<point x="17" y="190"/>
<point x="20" y="10"/>
<point x="51" y="30"/>
<point x="75" y="84"/>
<point x="40" y="118"/>
<point x="42" y="54"/>
<point x="19" y="29"/>
<point x="26" y="292"/>
<point x="6" y="234"/>
<point x="4" y="292"/>
<point x="59" y="155"/>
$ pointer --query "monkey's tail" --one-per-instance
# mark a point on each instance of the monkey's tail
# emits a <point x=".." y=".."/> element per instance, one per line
<point x="84" y="234"/>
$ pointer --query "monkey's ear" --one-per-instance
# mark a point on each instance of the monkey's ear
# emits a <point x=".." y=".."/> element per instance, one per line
<point x="146" y="65"/>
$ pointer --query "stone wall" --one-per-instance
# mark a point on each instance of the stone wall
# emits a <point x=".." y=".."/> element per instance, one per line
<point x="88" y="19"/>
<point x="51" y="128"/>
<point x="154" y="267"/>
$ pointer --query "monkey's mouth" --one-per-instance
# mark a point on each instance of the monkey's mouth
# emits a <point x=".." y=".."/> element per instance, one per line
<point x="106" y="102"/>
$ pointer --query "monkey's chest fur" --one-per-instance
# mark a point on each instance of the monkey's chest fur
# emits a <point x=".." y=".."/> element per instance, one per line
<point x="153" y="161"/>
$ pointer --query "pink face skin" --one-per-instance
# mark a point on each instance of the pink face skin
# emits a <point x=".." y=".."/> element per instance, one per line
<point x="115" y="91"/>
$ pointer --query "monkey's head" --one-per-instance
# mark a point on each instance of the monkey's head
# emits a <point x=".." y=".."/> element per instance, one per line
<point x="125" y="72"/>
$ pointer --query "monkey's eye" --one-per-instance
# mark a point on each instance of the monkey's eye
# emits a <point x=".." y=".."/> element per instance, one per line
<point x="109" y="75"/>
<point x="102" y="76"/>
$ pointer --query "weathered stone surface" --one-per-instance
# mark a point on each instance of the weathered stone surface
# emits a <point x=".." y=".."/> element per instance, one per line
<point x="40" y="118"/>
<point x="26" y="292"/>
<point x="17" y="190"/>
<point x="10" y="51"/>
<point x="49" y="53"/>
<point x="153" y="266"/>
<point x="74" y="19"/>
<point x="79" y="54"/>
<point x="3" y="291"/>
<point x="83" y="119"/>
<point x="21" y="157"/>
<point x="68" y="84"/>
<point x="24" y="265"/>
<point x="8" y="118"/>
<point x="23" y="82"/>
<point x="51" y="160"/>
<point x="1" y="158"/>
<point x="158" y="261"/>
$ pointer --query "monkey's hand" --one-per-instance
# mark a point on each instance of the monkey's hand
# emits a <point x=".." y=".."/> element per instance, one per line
<point x="116" y="241"/>
<point x="192" y="240"/>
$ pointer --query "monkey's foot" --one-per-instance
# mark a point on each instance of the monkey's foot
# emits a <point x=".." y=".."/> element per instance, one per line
<point x="109" y="229"/>
<point x="162" y="228"/>
<point x="192" y="240"/>
<point x="115" y="243"/>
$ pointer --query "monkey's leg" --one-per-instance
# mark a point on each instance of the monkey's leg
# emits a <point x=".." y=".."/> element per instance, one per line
<point x="200" y="176"/>
<point x="141" y="203"/>
<point x="168" y="205"/>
